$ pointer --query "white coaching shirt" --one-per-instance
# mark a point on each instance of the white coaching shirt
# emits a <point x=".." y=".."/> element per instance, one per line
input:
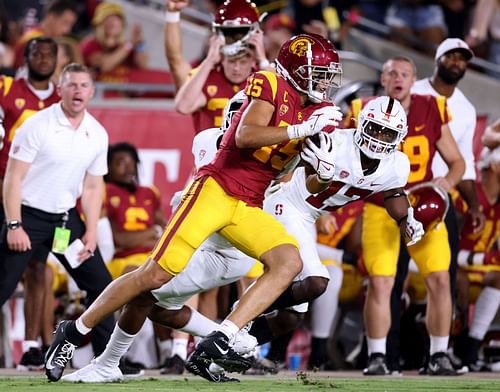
<point x="462" y="127"/>
<point x="60" y="156"/>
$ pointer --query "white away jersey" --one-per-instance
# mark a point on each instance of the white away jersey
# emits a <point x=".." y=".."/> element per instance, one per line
<point x="349" y="182"/>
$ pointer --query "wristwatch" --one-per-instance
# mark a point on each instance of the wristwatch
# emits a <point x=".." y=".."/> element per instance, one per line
<point x="14" y="224"/>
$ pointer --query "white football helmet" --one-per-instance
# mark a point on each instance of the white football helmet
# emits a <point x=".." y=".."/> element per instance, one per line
<point x="231" y="108"/>
<point x="381" y="127"/>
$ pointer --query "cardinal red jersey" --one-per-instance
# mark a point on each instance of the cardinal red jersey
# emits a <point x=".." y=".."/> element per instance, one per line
<point x="425" y="118"/>
<point x="18" y="102"/>
<point x="484" y="240"/>
<point x="218" y="91"/>
<point x="131" y="211"/>
<point x="245" y="173"/>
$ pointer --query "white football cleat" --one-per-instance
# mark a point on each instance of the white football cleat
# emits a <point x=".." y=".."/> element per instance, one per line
<point x="244" y="343"/>
<point x="94" y="373"/>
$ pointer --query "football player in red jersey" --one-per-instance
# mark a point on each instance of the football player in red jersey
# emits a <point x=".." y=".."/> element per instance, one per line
<point x="428" y="132"/>
<point x="235" y="51"/>
<point x="19" y="99"/>
<point x="479" y="259"/>
<point x="226" y="197"/>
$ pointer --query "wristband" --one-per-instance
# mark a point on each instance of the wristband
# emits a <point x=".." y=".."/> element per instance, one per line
<point x="172" y="16"/>
<point x="264" y="63"/>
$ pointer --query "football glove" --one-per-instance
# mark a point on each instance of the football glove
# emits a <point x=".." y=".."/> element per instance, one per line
<point x="321" y="157"/>
<point x="319" y="119"/>
<point x="414" y="229"/>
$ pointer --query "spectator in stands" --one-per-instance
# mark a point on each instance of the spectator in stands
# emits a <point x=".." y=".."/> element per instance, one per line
<point x="278" y="28"/>
<point x="58" y="20"/>
<point x="485" y="28"/>
<point x="416" y="24"/>
<point x="67" y="52"/>
<point x="491" y="135"/>
<point x="107" y="51"/>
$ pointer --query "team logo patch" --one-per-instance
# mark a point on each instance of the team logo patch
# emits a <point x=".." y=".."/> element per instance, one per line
<point x="360" y="181"/>
<point x="283" y="109"/>
<point x="41" y="105"/>
<point x="299" y="116"/>
<point x="212" y="90"/>
<point x="344" y="174"/>
<point x="299" y="46"/>
<point x="19" y="102"/>
<point x="114" y="201"/>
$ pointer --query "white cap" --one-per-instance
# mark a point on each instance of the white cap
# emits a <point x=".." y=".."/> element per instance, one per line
<point x="450" y="44"/>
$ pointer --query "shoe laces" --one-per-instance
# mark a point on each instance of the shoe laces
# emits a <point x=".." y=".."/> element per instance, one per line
<point x="65" y="354"/>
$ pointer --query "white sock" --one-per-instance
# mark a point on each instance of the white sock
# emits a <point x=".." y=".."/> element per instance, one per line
<point x="326" y="252"/>
<point x="27" y="344"/>
<point x="439" y="344"/>
<point x="484" y="312"/>
<point x="228" y="328"/>
<point x="324" y="308"/>
<point x="165" y="349"/>
<point x="199" y="325"/>
<point x="81" y="327"/>
<point x="179" y="347"/>
<point x="376" y="345"/>
<point x="118" y="344"/>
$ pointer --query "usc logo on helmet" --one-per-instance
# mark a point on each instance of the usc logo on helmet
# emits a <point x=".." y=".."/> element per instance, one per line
<point x="299" y="46"/>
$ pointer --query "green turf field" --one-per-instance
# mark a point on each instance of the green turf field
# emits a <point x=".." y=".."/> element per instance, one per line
<point x="301" y="383"/>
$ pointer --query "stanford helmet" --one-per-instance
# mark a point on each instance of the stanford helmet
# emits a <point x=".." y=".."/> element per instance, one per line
<point x="430" y="204"/>
<point x="235" y="20"/>
<point x="312" y="65"/>
<point x="381" y="127"/>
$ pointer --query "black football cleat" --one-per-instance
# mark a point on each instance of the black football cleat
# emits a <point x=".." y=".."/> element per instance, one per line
<point x="59" y="353"/>
<point x="215" y="348"/>
<point x="200" y="366"/>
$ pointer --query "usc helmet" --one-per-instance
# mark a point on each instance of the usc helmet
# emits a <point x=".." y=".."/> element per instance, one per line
<point x="235" y="20"/>
<point x="381" y="127"/>
<point x="430" y="204"/>
<point x="312" y="65"/>
<point x="234" y="104"/>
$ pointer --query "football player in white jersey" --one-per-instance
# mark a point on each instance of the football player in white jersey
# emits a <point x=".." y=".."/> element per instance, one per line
<point x="298" y="203"/>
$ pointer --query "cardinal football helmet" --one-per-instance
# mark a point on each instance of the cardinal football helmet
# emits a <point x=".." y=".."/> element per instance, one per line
<point x="430" y="204"/>
<point x="381" y="127"/>
<point x="231" y="108"/>
<point x="312" y="65"/>
<point x="235" y="20"/>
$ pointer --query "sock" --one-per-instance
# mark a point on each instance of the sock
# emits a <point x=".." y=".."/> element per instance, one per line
<point x="72" y="333"/>
<point x="81" y="327"/>
<point x="285" y="300"/>
<point x="484" y="312"/>
<point x="325" y="306"/>
<point x="199" y="325"/>
<point x="277" y="352"/>
<point x="179" y="347"/>
<point x="118" y="344"/>
<point x="165" y="349"/>
<point x="28" y="344"/>
<point x="319" y="352"/>
<point x="438" y="344"/>
<point x="376" y="345"/>
<point x="261" y="330"/>
<point x="228" y="328"/>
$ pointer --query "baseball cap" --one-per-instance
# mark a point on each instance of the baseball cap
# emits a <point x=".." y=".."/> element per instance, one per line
<point x="277" y="21"/>
<point x="103" y="10"/>
<point x="450" y="44"/>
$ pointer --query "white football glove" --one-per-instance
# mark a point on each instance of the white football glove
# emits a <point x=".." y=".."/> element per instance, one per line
<point x="2" y="135"/>
<point x="319" y="119"/>
<point x="414" y="229"/>
<point x="322" y="158"/>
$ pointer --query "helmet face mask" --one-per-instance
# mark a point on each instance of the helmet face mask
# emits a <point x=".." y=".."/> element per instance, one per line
<point x="381" y="127"/>
<point x="235" y="21"/>
<point x="232" y="107"/>
<point x="311" y="64"/>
